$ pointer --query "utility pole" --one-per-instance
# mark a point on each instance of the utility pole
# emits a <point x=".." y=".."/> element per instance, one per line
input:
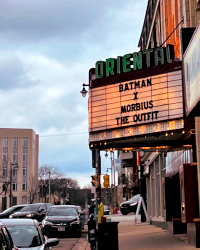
<point x="113" y="170"/>
<point x="49" y="187"/>
<point x="42" y="189"/>
<point x="11" y="184"/>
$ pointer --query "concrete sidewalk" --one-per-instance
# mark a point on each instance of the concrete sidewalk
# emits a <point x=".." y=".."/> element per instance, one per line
<point x="145" y="236"/>
<point x="142" y="237"/>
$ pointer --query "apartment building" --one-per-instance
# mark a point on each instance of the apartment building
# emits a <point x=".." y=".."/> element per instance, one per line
<point x="19" y="150"/>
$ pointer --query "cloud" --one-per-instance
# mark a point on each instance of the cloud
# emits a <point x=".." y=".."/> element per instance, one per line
<point x="47" y="48"/>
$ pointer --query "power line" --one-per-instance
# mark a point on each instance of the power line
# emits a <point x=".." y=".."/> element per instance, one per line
<point x="64" y="134"/>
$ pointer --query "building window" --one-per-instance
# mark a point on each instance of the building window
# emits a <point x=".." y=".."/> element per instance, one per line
<point x="15" y="157"/>
<point x="4" y="156"/>
<point x="5" y="142"/>
<point x="25" y="142"/>
<point x="24" y="186"/>
<point x="15" y="142"/>
<point x="14" y="172"/>
<point x="4" y="172"/>
<point x="24" y="157"/>
<point x="14" y="186"/>
<point x="24" y="171"/>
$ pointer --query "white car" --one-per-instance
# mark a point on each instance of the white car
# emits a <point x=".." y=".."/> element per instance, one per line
<point x="27" y="235"/>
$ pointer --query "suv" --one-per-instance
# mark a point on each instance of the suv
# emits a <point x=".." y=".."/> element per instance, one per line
<point x="130" y="206"/>
<point x="35" y="211"/>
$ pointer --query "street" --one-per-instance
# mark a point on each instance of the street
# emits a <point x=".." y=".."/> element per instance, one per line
<point x="70" y="243"/>
<point x="138" y="237"/>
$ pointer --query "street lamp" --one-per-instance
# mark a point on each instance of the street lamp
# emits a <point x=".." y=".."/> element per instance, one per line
<point x="11" y="173"/>
<point x="42" y="184"/>
<point x="84" y="91"/>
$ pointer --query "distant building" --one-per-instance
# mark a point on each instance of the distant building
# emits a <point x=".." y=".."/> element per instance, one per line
<point x="19" y="165"/>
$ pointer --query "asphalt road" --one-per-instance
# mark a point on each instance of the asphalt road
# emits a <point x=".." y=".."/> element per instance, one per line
<point x="68" y="243"/>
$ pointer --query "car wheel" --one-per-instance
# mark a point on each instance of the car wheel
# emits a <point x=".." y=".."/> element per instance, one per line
<point x="79" y="233"/>
<point x="124" y="213"/>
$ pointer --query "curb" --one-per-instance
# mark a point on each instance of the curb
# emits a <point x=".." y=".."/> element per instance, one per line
<point x="82" y="244"/>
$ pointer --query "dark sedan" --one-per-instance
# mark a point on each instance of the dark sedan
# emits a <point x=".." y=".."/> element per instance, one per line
<point x="6" y="213"/>
<point x="130" y="206"/>
<point x="33" y="211"/>
<point x="62" y="220"/>
<point x="27" y="235"/>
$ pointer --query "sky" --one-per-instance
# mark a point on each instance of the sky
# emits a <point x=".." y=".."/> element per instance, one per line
<point x="47" y="48"/>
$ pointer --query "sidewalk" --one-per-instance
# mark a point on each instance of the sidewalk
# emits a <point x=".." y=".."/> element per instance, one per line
<point x="82" y="243"/>
<point x="142" y="237"/>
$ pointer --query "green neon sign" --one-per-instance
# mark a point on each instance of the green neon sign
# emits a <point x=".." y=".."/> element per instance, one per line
<point x="134" y="61"/>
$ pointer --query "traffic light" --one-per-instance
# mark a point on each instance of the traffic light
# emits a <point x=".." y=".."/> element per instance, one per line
<point x="106" y="182"/>
<point x="93" y="182"/>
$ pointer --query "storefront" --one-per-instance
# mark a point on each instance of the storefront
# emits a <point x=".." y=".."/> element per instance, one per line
<point x="136" y="103"/>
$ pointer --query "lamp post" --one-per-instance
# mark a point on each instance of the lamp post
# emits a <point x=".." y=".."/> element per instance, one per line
<point x="11" y="173"/>
<point x="113" y="179"/>
<point x="110" y="184"/>
<point x="42" y="184"/>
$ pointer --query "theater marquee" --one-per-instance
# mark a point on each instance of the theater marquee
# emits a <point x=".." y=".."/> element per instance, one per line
<point x="137" y="106"/>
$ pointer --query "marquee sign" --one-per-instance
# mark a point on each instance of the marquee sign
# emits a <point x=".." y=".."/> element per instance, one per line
<point x="134" y="61"/>
<point x="137" y="102"/>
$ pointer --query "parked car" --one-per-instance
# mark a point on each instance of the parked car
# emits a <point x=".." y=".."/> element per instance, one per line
<point x="6" y="242"/>
<point x="62" y="220"/>
<point x="106" y="210"/>
<point x="35" y="211"/>
<point x="26" y="234"/>
<point x="6" y="213"/>
<point x="130" y="206"/>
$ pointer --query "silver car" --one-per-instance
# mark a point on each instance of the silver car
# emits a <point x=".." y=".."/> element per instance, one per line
<point x="27" y="235"/>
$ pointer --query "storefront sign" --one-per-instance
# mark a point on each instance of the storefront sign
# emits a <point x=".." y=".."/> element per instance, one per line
<point x="191" y="62"/>
<point x="138" y="102"/>
<point x="134" y="61"/>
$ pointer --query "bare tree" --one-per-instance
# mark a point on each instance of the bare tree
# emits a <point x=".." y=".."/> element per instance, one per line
<point x="32" y="189"/>
<point x="44" y="172"/>
<point x="88" y="186"/>
<point x="58" y="184"/>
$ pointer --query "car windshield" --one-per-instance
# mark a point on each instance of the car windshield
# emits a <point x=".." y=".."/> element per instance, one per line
<point x="105" y="208"/>
<point x="79" y="208"/>
<point x="25" y="236"/>
<point x="135" y="198"/>
<point x="62" y="211"/>
<point x="8" y="210"/>
<point x="30" y="208"/>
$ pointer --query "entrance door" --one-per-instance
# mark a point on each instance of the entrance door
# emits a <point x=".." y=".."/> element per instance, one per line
<point x="4" y="203"/>
<point x="14" y="201"/>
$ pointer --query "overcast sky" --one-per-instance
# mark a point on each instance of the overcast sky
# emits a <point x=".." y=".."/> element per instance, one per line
<point x="47" y="48"/>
